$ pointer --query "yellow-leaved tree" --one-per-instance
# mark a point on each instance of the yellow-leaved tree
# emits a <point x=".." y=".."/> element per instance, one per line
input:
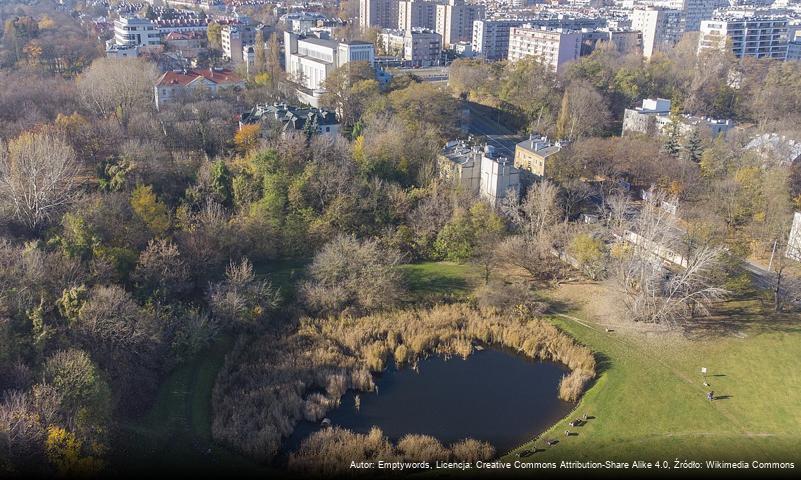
<point x="150" y="210"/>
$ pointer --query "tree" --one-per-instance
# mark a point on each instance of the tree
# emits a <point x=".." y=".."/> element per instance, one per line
<point x="338" y="88"/>
<point x="462" y="238"/>
<point x="538" y="210"/>
<point x="590" y="255"/>
<point x="242" y="299"/>
<point x="273" y="59"/>
<point x="220" y="182"/>
<point x="584" y="112"/>
<point x="214" y="35"/>
<point x="78" y="383"/>
<point x="116" y="87"/>
<point x="657" y="294"/>
<point x="161" y="271"/>
<point x="150" y="210"/>
<point x="693" y="146"/>
<point x="355" y="275"/>
<point x="38" y="178"/>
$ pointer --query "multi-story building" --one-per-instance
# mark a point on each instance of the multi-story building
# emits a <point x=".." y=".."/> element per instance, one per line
<point x="552" y="47"/>
<point x="136" y="32"/>
<point x="233" y="38"/>
<point x="378" y="13"/>
<point x="419" y="46"/>
<point x="746" y="36"/>
<point x="491" y="37"/>
<point x="661" y="28"/>
<point x="454" y="21"/>
<point x="696" y="11"/>
<point x="654" y="118"/>
<point x="309" y="60"/>
<point x="422" y="47"/>
<point x="418" y="14"/>
<point x="531" y="155"/>
<point x="481" y="171"/>
<point x="499" y="177"/>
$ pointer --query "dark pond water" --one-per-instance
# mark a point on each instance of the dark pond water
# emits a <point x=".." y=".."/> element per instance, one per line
<point x="494" y="395"/>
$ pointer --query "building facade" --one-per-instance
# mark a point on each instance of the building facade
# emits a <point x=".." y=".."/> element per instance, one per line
<point x="480" y="171"/>
<point x="136" y="32"/>
<point x="661" y="28"/>
<point x="454" y="21"/>
<point x="378" y="13"/>
<point x="531" y="155"/>
<point x="491" y="37"/>
<point x="173" y="84"/>
<point x="654" y="118"/>
<point x="417" y="14"/>
<point x="746" y="36"/>
<point x="309" y="60"/>
<point x="552" y="47"/>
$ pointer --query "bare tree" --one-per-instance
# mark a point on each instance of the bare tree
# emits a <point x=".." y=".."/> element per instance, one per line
<point x="353" y="274"/>
<point x="116" y="86"/>
<point x="663" y="284"/>
<point x="538" y="211"/>
<point x="38" y="178"/>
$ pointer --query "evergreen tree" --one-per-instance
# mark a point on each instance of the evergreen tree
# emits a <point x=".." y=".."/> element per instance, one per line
<point x="693" y="147"/>
<point x="671" y="145"/>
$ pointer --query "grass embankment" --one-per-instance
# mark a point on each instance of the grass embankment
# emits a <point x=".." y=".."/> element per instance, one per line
<point x="649" y="402"/>
<point x="176" y="431"/>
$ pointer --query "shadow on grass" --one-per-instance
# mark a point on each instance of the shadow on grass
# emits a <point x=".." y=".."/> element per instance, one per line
<point x="742" y="317"/>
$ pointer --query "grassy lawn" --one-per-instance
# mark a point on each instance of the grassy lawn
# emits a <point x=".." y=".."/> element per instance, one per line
<point x="434" y="280"/>
<point x="649" y="401"/>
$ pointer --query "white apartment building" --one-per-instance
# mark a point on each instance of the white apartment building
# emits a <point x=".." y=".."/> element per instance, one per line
<point x="309" y="60"/>
<point x="552" y="47"/>
<point x="454" y="21"/>
<point x="418" y="14"/>
<point x="661" y="28"/>
<point x="747" y="36"/>
<point x="135" y="32"/>
<point x="378" y="13"/>
<point x="419" y="46"/>
<point x="491" y="37"/>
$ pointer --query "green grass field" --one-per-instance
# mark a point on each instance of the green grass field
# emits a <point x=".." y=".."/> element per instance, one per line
<point x="435" y="280"/>
<point x="649" y="401"/>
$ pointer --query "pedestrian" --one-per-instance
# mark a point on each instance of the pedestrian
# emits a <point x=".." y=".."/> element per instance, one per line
<point x="710" y="396"/>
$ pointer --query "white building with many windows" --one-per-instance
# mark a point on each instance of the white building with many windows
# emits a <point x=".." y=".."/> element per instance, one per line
<point x="454" y="21"/>
<point x="554" y="47"/>
<point x="661" y="28"/>
<point x="309" y="60"/>
<point x="136" y="32"/>
<point x="747" y="36"/>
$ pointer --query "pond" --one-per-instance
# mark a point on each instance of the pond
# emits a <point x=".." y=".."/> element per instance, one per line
<point x="494" y="395"/>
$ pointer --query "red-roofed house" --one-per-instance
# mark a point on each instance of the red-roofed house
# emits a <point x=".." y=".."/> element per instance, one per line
<point x="173" y="83"/>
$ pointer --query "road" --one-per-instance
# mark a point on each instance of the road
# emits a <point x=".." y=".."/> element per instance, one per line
<point x="485" y="122"/>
